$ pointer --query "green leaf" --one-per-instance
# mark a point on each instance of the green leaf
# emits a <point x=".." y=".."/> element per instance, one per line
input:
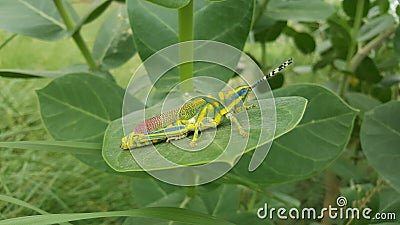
<point x="114" y="42"/>
<point x="340" y="35"/>
<point x="79" y="107"/>
<point x="267" y="28"/>
<point x="308" y="149"/>
<point x="222" y="201"/>
<point x="350" y="6"/>
<point x="367" y="71"/>
<point x="380" y="140"/>
<point x="38" y="19"/>
<point x="289" y="111"/>
<point x="174" y="4"/>
<point x="375" y="27"/>
<point x="384" y="94"/>
<point x="384" y="6"/>
<point x="389" y="202"/>
<point x="361" y="101"/>
<point x="304" y="42"/>
<point x="95" y="11"/>
<point x="56" y="146"/>
<point x="299" y="10"/>
<point x="164" y="213"/>
<point x="156" y="27"/>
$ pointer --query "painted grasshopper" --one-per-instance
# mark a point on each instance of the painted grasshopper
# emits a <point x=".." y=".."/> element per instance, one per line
<point x="193" y="116"/>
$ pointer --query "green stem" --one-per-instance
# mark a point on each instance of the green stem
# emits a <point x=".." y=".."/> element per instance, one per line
<point x="353" y="44"/>
<point x="69" y="23"/>
<point x="185" y="17"/>
<point x="263" y="55"/>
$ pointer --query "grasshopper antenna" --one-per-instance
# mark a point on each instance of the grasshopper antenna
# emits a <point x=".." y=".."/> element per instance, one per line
<point x="273" y="72"/>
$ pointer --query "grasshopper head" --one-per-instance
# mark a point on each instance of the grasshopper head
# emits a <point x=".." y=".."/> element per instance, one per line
<point x="124" y="143"/>
<point x="242" y="92"/>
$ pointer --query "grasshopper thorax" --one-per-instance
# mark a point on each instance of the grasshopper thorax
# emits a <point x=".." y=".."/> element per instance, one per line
<point x="236" y="98"/>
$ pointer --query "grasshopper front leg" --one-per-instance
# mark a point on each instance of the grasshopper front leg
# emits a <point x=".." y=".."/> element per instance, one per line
<point x="242" y="131"/>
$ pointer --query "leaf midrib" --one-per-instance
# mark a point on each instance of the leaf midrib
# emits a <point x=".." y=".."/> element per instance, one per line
<point x="75" y="108"/>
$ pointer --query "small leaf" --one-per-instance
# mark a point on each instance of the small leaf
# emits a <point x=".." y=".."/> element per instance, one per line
<point x="304" y="42"/>
<point x="361" y="101"/>
<point x="384" y="94"/>
<point x="367" y="71"/>
<point x="114" y="42"/>
<point x="267" y="28"/>
<point x="38" y="19"/>
<point x="309" y="148"/>
<point x="380" y="140"/>
<point x="350" y="7"/>
<point x="96" y="10"/>
<point x="340" y="35"/>
<point x="288" y="111"/>
<point x="375" y="27"/>
<point x="174" y="4"/>
<point x="300" y="10"/>
<point x="83" y="112"/>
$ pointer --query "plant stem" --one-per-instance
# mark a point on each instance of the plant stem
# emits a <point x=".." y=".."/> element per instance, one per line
<point x="263" y="55"/>
<point x="76" y="36"/>
<point x="353" y="44"/>
<point x="364" y="51"/>
<point x="185" y="17"/>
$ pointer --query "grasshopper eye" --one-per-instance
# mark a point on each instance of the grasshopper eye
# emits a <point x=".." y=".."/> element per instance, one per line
<point x="242" y="91"/>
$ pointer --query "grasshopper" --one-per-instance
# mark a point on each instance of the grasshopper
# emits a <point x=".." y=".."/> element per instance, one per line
<point x="193" y="116"/>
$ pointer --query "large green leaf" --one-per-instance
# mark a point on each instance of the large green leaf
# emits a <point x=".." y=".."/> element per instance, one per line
<point x="171" y="3"/>
<point x="309" y="148"/>
<point x="79" y="106"/>
<point x="114" y="41"/>
<point x="300" y="10"/>
<point x="289" y="111"/>
<point x="380" y="140"/>
<point x="221" y="201"/>
<point x="156" y="27"/>
<point x="38" y="19"/>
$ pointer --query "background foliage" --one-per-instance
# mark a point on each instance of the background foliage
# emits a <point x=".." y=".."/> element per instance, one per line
<point x="343" y="139"/>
